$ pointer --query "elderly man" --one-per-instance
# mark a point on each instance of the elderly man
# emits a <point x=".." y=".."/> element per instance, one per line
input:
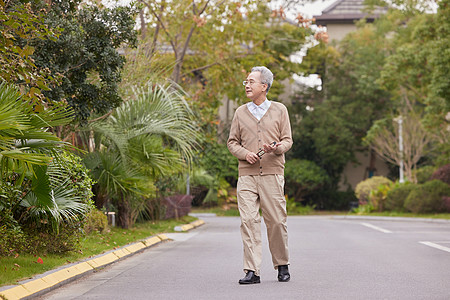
<point x="260" y="134"/>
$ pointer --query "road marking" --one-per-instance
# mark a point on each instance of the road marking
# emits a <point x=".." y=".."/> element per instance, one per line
<point x="430" y="244"/>
<point x="376" y="228"/>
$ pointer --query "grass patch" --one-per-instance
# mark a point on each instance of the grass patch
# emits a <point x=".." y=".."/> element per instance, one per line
<point x="24" y="266"/>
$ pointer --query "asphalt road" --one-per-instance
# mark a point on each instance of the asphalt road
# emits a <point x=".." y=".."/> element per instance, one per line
<point x="330" y="259"/>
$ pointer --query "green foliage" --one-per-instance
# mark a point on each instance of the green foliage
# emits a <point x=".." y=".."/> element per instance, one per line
<point x="84" y="55"/>
<point x="325" y="141"/>
<point x="42" y="188"/>
<point x="19" y="26"/>
<point x="150" y="136"/>
<point x="378" y="196"/>
<point x="364" y="209"/>
<point x="13" y="239"/>
<point x="96" y="220"/>
<point x="212" y="46"/>
<point x="364" y="188"/>
<point x="428" y="197"/>
<point x="328" y="199"/>
<point x="406" y="72"/>
<point x="396" y="197"/>
<point x="45" y="239"/>
<point x="423" y="174"/>
<point x="24" y="136"/>
<point x="294" y="208"/>
<point x="349" y="102"/>
<point x="302" y="177"/>
<point x="442" y="174"/>
<point x="218" y="161"/>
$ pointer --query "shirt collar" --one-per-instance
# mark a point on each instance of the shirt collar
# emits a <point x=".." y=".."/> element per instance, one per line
<point x="264" y="106"/>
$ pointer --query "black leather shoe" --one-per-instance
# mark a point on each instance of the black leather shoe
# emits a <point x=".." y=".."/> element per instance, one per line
<point x="283" y="274"/>
<point x="250" y="278"/>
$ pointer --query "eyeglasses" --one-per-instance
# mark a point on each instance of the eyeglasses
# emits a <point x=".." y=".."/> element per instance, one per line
<point x="251" y="82"/>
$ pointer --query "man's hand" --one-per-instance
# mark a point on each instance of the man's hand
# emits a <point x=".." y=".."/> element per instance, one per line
<point x="270" y="148"/>
<point x="251" y="157"/>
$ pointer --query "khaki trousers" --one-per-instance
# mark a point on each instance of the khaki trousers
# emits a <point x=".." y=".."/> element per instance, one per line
<point x="265" y="192"/>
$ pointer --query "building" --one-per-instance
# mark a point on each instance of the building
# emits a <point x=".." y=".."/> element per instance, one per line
<point x="339" y="18"/>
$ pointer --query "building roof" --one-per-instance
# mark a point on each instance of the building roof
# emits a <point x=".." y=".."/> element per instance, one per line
<point x="347" y="12"/>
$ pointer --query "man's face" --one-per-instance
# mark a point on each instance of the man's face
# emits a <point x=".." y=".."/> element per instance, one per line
<point x="254" y="88"/>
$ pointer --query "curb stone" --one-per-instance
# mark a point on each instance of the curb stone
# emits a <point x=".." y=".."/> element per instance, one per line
<point x="53" y="279"/>
<point x="187" y="227"/>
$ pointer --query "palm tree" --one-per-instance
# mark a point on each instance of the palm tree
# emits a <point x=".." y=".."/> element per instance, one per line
<point x="149" y="136"/>
<point x="30" y="162"/>
<point x="24" y="137"/>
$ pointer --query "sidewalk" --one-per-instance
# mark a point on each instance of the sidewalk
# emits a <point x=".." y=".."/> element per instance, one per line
<point x="53" y="279"/>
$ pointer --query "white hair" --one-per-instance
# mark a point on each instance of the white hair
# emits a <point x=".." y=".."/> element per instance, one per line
<point x="266" y="76"/>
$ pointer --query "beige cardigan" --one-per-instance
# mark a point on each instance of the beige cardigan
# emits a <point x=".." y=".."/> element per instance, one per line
<point x="247" y="134"/>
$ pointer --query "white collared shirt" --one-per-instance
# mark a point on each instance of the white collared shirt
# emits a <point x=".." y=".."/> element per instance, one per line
<point x="258" y="110"/>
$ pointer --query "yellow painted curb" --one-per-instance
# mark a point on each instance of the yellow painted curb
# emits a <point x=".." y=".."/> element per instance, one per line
<point x="186" y="227"/>
<point x="83" y="267"/>
<point x="102" y="260"/>
<point x="29" y="288"/>
<point x="192" y="225"/>
<point x="35" y="286"/>
<point x="135" y="247"/>
<point x="14" y="293"/>
<point x="152" y="241"/>
<point x="163" y="237"/>
<point x="121" y="253"/>
<point x="198" y="223"/>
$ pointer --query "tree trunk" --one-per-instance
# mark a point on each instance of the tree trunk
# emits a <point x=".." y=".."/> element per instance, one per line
<point x="123" y="218"/>
<point x="143" y="24"/>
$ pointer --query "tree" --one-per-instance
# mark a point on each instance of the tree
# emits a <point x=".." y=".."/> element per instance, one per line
<point x="145" y="138"/>
<point x="19" y="26"/>
<point x="331" y="122"/>
<point x="383" y="137"/>
<point x="36" y="187"/>
<point x="303" y="177"/>
<point x="84" y="55"/>
<point x="208" y="49"/>
<point x="24" y="137"/>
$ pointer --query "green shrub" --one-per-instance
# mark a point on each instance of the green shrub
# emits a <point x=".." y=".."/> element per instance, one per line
<point x="396" y="197"/>
<point x="377" y="197"/>
<point x="428" y="197"/>
<point x="303" y="177"/>
<point x="44" y="239"/>
<point x="96" y="220"/>
<point x="364" y="188"/>
<point x="363" y="209"/>
<point x="12" y="240"/>
<point x="27" y="227"/>
<point x="295" y="208"/>
<point x="80" y="180"/>
<point x="424" y="174"/>
<point x="330" y="199"/>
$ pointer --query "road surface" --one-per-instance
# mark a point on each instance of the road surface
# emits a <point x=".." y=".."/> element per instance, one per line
<point x="330" y="259"/>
